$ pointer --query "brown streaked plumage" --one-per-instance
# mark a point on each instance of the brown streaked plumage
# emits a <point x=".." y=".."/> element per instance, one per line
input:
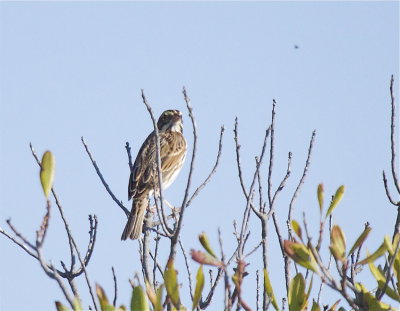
<point x="172" y="153"/>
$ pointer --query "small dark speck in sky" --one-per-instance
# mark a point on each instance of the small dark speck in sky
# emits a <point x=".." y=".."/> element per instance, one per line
<point x="296" y="46"/>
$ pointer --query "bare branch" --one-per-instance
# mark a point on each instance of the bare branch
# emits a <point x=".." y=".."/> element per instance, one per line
<point x="18" y="234"/>
<point x="271" y="154"/>
<point x="157" y="239"/>
<point x="115" y="287"/>
<point x="187" y="268"/>
<point x="392" y="136"/>
<point x="301" y="182"/>
<point x="178" y="224"/>
<point x="239" y="166"/>
<point x="385" y="184"/>
<point x="146" y="251"/>
<point x="24" y="245"/>
<point x="283" y="182"/>
<point x="162" y="219"/>
<point x="41" y="233"/>
<point x="388" y="275"/>
<point x="119" y="203"/>
<point x="214" y="169"/>
<point x="128" y="151"/>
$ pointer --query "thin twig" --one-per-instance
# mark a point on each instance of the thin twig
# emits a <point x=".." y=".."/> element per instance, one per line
<point x="128" y="151"/>
<point x="18" y="234"/>
<point x="214" y="169"/>
<point x="392" y="136"/>
<point x="24" y="246"/>
<point x="146" y="251"/>
<point x="178" y="224"/>
<point x="389" y="196"/>
<point x="271" y="154"/>
<point x="388" y="276"/>
<point x="119" y="203"/>
<point x="301" y="182"/>
<point x="187" y="268"/>
<point x="157" y="239"/>
<point x="283" y="182"/>
<point x="115" y="287"/>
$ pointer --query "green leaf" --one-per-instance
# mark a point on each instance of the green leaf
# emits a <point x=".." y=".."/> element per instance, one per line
<point x="375" y="255"/>
<point x="101" y="295"/>
<point x="375" y="272"/>
<point x="159" y="293"/>
<point x="139" y="301"/>
<point x="297" y="229"/>
<point x="61" y="307"/>
<point x="77" y="304"/>
<point x="338" y="243"/>
<point x="320" y="194"/>
<point x="47" y="169"/>
<point x="333" y="308"/>
<point x="381" y="280"/>
<point x="389" y="291"/>
<point x="206" y="244"/>
<point x="171" y="283"/>
<point x="268" y="289"/>
<point x="335" y="201"/>
<point x="389" y="245"/>
<point x="297" y="295"/>
<point x="315" y="307"/>
<point x="370" y="301"/>
<point x="150" y="293"/>
<point x="300" y="254"/>
<point x="199" y="287"/>
<point x="360" y="240"/>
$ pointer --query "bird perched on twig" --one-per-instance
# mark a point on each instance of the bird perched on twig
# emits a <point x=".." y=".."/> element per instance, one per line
<point x="144" y="179"/>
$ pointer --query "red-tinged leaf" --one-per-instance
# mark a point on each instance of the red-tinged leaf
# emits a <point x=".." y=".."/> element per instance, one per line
<point x="61" y="307"/>
<point x="300" y="254"/>
<point x="204" y="258"/>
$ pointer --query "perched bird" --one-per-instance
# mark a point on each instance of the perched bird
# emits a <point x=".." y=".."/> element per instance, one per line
<point x="143" y="180"/>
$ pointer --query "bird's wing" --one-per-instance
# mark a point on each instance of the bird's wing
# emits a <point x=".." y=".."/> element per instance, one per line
<point x="141" y="178"/>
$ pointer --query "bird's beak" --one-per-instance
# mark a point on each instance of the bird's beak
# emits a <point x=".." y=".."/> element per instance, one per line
<point x="177" y="117"/>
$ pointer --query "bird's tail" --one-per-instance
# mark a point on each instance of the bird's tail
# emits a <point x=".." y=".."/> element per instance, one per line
<point x="133" y="227"/>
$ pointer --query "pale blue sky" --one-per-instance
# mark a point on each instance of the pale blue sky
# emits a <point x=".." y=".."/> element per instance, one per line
<point x="76" y="69"/>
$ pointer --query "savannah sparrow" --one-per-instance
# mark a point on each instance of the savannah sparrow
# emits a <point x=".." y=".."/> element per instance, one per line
<point x="143" y="179"/>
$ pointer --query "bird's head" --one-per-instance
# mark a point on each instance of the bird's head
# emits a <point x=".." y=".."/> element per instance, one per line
<point x="170" y="120"/>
